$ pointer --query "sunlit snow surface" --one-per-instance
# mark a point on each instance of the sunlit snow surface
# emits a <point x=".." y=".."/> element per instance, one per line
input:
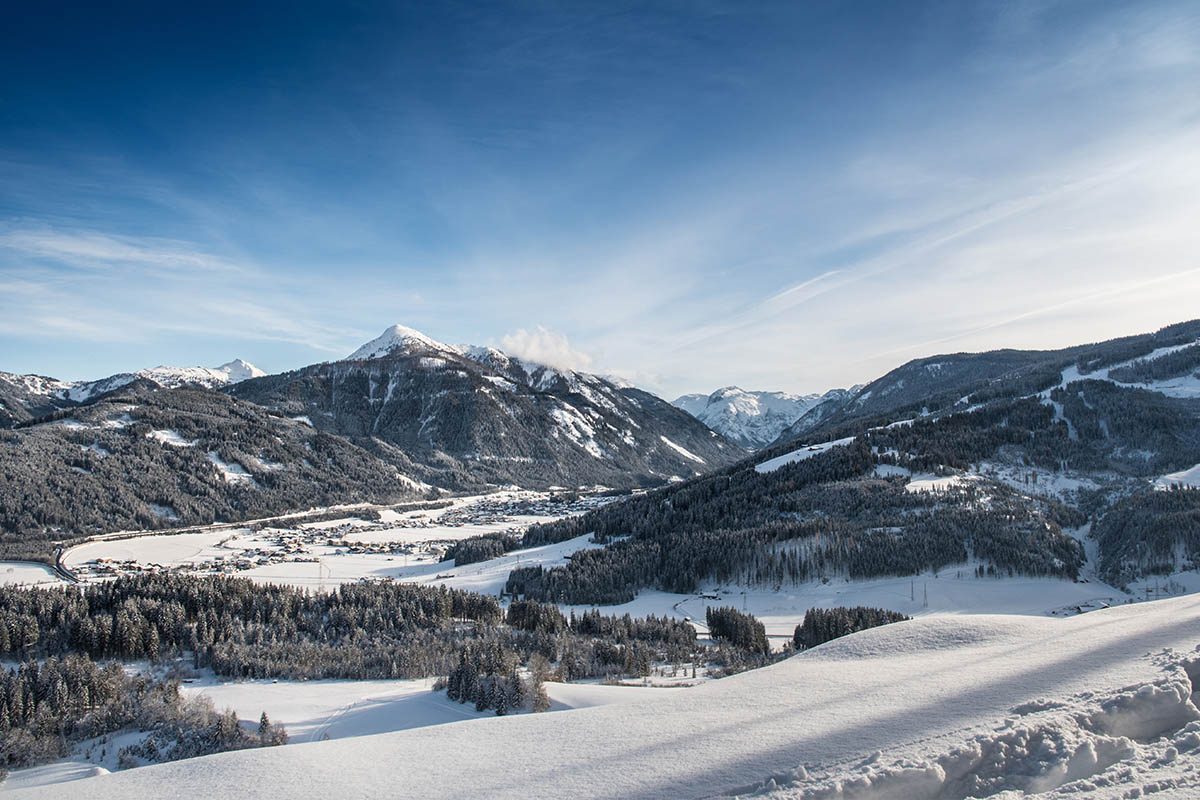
<point x="403" y="545"/>
<point x="1091" y="706"/>
<point x="802" y="454"/>
<point x="804" y="702"/>
<point x="1187" y="477"/>
<point x="26" y="573"/>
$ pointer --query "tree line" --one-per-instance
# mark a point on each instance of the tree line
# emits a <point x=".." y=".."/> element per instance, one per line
<point x="48" y="706"/>
<point x="822" y="625"/>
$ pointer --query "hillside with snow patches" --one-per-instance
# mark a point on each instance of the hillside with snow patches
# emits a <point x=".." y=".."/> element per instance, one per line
<point x="752" y="419"/>
<point x="156" y="458"/>
<point x="1099" y="706"/>
<point x="472" y="416"/>
<point x="1119" y="425"/>
<point x="958" y="381"/>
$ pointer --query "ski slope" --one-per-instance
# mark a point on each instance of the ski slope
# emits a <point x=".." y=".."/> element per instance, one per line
<point x="935" y="707"/>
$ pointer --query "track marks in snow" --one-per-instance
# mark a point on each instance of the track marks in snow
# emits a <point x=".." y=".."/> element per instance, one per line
<point x="1082" y="748"/>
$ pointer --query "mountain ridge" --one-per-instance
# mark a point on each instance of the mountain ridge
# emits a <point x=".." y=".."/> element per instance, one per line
<point x="474" y="415"/>
<point x="753" y="419"/>
<point x="24" y="397"/>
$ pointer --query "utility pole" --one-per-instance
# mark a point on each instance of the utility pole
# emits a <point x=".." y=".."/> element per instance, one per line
<point x="926" y="587"/>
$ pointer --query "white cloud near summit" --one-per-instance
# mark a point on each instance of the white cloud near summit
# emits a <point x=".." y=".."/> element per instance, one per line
<point x="545" y="346"/>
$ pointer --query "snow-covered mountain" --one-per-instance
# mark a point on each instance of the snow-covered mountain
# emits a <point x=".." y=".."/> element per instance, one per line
<point x="173" y="378"/>
<point x="475" y="415"/>
<point x="751" y="419"/>
<point x="399" y="339"/>
<point x="24" y="397"/>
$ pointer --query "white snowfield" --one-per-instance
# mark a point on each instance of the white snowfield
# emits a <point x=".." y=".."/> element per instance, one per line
<point x="1187" y="477"/>
<point x="26" y="573"/>
<point x="314" y="711"/>
<point x="803" y="454"/>
<point x="1098" y="705"/>
<point x="404" y="545"/>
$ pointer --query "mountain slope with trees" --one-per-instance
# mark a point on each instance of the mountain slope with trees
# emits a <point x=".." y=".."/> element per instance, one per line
<point x="154" y="458"/>
<point x="476" y="416"/>
<point x="847" y="511"/>
<point x="957" y="381"/>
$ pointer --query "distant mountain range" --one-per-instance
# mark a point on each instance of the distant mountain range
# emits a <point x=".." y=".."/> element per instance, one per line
<point x="467" y="416"/>
<point x="753" y="419"/>
<point x="25" y="397"/>
<point x="1021" y="447"/>
<point x="401" y="417"/>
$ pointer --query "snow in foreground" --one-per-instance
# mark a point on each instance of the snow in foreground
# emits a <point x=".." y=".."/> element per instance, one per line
<point x="1096" y="705"/>
<point x="313" y="711"/>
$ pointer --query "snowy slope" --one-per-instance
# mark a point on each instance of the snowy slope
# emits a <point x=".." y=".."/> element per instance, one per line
<point x="800" y="454"/>
<point x="937" y="707"/>
<point x="751" y="419"/>
<point x="1187" y="477"/>
<point x="398" y="338"/>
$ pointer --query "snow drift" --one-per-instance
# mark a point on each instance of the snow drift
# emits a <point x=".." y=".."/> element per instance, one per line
<point x="932" y="708"/>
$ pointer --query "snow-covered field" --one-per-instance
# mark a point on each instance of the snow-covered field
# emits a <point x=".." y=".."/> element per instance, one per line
<point x="402" y="544"/>
<point x="952" y="591"/>
<point x="1187" y="477"/>
<point x="689" y="726"/>
<point x="1098" y="705"/>
<point x="26" y="573"/>
<point x="335" y="709"/>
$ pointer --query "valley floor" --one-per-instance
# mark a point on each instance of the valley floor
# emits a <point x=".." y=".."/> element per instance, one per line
<point x="877" y="688"/>
<point x="1097" y="705"/>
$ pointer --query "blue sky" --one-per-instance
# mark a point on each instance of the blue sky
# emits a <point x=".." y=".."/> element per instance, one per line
<point x="782" y="195"/>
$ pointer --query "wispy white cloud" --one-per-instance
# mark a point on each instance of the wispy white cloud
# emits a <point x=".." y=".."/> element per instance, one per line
<point x="96" y="250"/>
<point x="544" y="346"/>
<point x="1040" y="191"/>
<point x="79" y="284"/>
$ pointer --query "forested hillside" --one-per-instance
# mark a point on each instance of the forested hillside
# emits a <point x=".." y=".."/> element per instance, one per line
<point x="847" y="512"/>
<point x="824" y="517"/>
<point x="960" y="380"/>
<point x="157" y="458"/>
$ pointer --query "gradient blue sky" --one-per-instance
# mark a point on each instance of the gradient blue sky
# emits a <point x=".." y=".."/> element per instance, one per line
<point x="781" y="195"/>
